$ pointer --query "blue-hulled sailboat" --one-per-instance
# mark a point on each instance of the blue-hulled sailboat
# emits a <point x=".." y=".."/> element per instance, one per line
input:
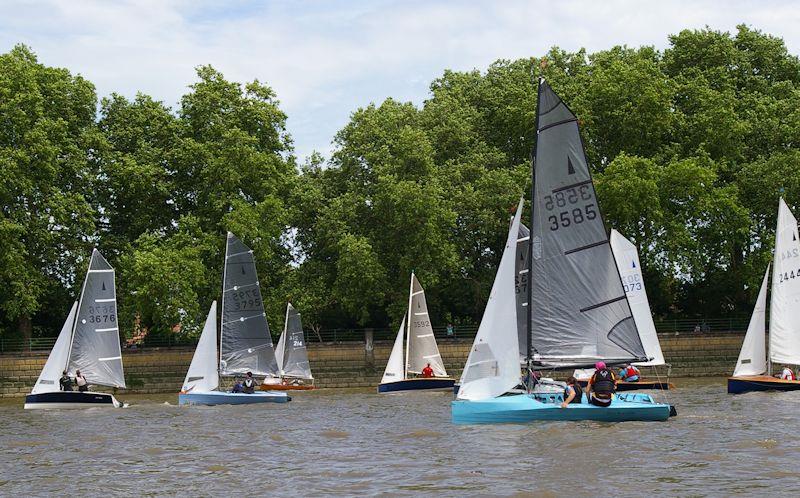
<point x="245" y="341"/>
<point x="576" y="309"/>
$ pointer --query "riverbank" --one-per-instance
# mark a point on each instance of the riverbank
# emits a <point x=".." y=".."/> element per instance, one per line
<point x="354" y="365"/>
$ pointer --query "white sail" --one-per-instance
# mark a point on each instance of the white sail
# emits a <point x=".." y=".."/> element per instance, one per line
<point x="203" y="375"/>
<point x="281" y="346"/>
<point x="493" y="364"/>
<point x="48" y="380"/>
<point x="784" y="314"/>
<point x="422" y="348"/>
<point x="753" y="356"/>
<point x="394" y="367"/>
<point x="294" y="355"/>
<point x="630" y="271"/>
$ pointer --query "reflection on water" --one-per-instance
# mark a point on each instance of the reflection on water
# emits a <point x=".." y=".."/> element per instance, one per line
<point x="360" y="443"/>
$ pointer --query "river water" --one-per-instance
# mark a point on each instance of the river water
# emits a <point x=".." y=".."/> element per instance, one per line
<point x="348" y="442"/>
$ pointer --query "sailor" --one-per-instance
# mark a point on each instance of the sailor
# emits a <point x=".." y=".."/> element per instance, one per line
<point x="237" y="385"/>
<point x="601" y="386"/>
<point x="249" y="386"/>
<point x="65" y="381"/>
<point x="787" y="373"/>
<point x="572" y="393"/>
<point x="629" y="373"/>
<point x="83" y="386"/>
<point x="427" y="372"/>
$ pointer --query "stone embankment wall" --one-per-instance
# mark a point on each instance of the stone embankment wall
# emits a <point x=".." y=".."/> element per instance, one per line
<point x="350" y="365"/>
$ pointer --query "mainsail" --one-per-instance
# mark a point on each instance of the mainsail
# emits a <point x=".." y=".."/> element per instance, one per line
<point x="291" y="353"/>
<point x="422" y="348"/>
<point x="394" y="367"/>
<point x="202" y="375"/>
<point x="753" y="356"/>
<point x="493" y="363"/>
<point x="245" y="341"/>
<point x="579" y="309"/>
<point x="630" y="271"/>
<point x="48" y="380"/>
<point x="784" y="317"/>
<point x="96" y="350"/>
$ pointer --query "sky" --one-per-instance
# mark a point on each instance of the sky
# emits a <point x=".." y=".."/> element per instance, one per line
<point x="325" y="59"/>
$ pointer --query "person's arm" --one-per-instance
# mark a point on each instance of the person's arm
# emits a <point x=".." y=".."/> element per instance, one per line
<point x="571" y="396"/>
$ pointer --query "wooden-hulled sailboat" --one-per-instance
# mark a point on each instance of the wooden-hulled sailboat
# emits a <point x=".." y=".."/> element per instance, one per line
<point x="245" y="341"/>
<point x="89" y="342"/>
<point x="784" y="317"/>
<point x="577" y="310"/>
<point x="420" y="350"/>
<point x="292" y="357"/>
<point x="627" y="258"/>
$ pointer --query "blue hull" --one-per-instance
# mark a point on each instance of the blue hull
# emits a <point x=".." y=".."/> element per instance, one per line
<point x="527" y="408"/>
<point x="220" y="398"/>
<point x="420" y="384"/>
<point x="741" y="385"/>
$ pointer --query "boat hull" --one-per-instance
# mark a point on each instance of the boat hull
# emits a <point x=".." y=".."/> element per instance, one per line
<point x="522" y="408"/>
<point x="740" y="385"/>
<point x="418" y="384"/>
<point x="222" y="398"/>
<point x="639" y="385"/>
<point x="64" y="400"/>
<point x="287" y="387"/>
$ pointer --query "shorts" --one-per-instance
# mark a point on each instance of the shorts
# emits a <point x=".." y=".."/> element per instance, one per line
<point x="603" y="402"/>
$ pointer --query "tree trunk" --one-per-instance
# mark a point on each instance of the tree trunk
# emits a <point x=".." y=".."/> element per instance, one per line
<point x="25" y="328"/>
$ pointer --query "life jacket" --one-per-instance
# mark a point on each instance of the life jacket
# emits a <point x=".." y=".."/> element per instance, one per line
<point x="603" y="382"/>
<point x="631" y="372"/>
<point x="249" y="383"/>
<point x="788" y="377"/>
<point x="578" y="393"/>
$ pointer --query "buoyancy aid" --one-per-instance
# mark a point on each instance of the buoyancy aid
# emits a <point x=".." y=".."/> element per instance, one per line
<point x="631" y="371"/>
<point x="603" y="382"/>
<point x="578" y="393"/>
<point x="789" y="375"/>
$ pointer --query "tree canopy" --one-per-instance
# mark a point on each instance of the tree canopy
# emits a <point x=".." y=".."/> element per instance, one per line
<point x="690" y="148"/>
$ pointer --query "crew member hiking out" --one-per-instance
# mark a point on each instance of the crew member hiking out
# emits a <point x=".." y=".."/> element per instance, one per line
<point x="572" y="393"/>
<point x="601" y="386"/>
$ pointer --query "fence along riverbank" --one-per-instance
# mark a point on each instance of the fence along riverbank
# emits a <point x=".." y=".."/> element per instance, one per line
<point x="360" y="363"/>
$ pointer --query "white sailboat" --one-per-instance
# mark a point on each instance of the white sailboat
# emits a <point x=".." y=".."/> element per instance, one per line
<point x="89" y="342"/>
<point x="245" y="341"/>
<point x="784" y="317"/>
<point x="292" y="356"/>
<point x="421" y="350"/>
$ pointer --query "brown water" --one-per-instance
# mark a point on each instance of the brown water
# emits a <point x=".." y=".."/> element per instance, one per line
<point x="361" y="443"/>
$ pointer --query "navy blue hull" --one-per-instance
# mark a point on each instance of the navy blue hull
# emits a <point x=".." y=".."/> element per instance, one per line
<point x="70" y="399"/>
<point x="740" y="385"/>
<point x="420" y="384"/>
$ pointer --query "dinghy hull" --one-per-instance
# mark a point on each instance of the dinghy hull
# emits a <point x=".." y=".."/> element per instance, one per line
<point x="418" y="384"/>
<point x="286" y="387"/>
<point x="740" y="385"/>
<point x="63" y="400"/>
<point x="221" y="398"/>
<point x="528" y="408"/>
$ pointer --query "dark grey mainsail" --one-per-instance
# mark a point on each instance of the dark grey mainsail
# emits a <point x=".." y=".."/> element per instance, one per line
<point x="521" y="288"/>
<point x="95" y="347"/>
<point x="245" y="341"/>
<point x="579" y="309"/>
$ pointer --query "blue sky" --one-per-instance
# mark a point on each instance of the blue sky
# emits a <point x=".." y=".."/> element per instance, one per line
<point x="327" y="58"/>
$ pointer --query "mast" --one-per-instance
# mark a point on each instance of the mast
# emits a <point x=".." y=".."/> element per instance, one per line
<point x="407" y="331"/>
<point x="529" y="279"/>
<point x="222" y="301"/>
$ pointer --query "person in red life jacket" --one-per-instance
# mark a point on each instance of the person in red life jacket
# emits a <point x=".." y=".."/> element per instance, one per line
<point x="427" y="372"/>
<point x="572" y="393"/>
<point x="602" y="386"/>
<point x="787" y="374"/>
<point x="630" y="373"/>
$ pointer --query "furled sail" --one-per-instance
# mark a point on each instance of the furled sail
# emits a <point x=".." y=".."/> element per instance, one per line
<point x="753" y="356"/>
<point x="422" y="348"/>
<point x="784" y="317"/>
<point x="630" y="271"/>
<point x="245" y="341"/>
<point x="492" y="367"/>
<point x="521" y="288"/>
<point x="96" y="350"/>
<point x="48" y="380"/>
<point x="579" y="309"/>
<point x="292" y="353"/>
<point x="203" y="375"/>
<point x="394" y="367"/>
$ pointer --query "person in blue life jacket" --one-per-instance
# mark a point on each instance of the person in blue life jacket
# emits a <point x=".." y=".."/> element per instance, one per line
<point x="572" y="393"/>
<point x="629" y="373"/>
<point x="601" y="386"/>
<point x="237" y="386"/>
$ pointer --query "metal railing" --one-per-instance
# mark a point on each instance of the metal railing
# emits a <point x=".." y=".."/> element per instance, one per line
<point x="663" y="326"/>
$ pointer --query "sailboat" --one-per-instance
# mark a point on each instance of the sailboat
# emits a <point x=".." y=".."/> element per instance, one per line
<point x="89" y="342"/>
<point x="245" y="341"/>
<point x="292" y="356"/>
<point x="627" y="258"/>
<point x="420" y="350"/>
<point x="577" y="312"/>
<point x="784" y="317"/>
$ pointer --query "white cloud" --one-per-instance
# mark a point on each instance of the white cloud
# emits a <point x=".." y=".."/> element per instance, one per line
<point x="324" y="59"/>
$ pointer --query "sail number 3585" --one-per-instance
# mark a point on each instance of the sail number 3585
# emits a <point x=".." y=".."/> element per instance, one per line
<point x="572" y="215"/>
